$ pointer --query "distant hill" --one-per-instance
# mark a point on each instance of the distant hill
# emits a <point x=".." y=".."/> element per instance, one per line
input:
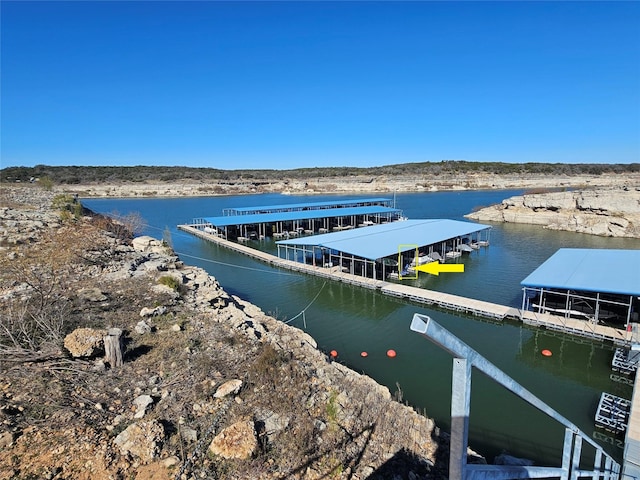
<point x="71" y="175"/>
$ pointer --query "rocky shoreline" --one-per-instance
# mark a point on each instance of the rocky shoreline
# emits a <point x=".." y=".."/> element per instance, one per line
<point x="209" y="387"/>
<point x="613" y="212"/>
<point x="353" y="184"/>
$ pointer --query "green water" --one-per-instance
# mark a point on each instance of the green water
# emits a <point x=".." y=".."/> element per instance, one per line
<point x="351" y="320"/>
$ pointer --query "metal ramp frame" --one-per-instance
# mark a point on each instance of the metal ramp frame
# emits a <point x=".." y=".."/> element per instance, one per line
<point x="465" y="358"/>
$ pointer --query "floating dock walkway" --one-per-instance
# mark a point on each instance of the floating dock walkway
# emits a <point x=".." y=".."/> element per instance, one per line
<point x="433" y="298"/>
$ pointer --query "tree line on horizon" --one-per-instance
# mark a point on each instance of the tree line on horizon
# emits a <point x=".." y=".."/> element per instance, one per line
<point x="109" y="174"/>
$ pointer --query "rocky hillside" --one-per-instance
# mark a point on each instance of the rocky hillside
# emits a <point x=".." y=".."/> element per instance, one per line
<point x="202" y="384"/>
<point x="608" y="212"/>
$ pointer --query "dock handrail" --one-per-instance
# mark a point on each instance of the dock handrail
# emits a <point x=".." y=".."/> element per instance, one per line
<point x="465" y="358"/>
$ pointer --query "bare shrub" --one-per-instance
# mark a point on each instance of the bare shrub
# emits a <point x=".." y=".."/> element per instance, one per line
<point x="123" y="227"/>
<point x="28" y="333"/>
<point x="37" y="283"/>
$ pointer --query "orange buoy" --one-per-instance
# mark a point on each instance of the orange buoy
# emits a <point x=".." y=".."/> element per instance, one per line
<point x="546" y="353"/>
<point x="391" y="353"/>
<point x="363" y="354"/>
<point x="333" y="354"/>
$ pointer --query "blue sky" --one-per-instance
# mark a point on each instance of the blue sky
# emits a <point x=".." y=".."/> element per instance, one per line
<point x="301" y="84"/>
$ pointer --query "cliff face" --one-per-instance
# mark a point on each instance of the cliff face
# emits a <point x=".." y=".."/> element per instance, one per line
<point x="352" y="184"/>
<point x="210" y="386"/>
<point x="605" y="212"/>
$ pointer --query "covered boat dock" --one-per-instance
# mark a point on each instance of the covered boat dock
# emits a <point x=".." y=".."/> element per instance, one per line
<point x="381" y="251"/>
<point x="298" y="219"/>
<point x="303" y="207"/>
<point x="594" y="285"/>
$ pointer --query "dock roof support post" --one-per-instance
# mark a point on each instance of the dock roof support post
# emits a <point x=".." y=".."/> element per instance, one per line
<point x="567" y="315"/>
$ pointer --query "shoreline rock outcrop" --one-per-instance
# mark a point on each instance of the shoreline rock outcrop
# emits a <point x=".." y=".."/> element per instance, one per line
<point x="604" y="212"/>
<point x="351" y="184"/>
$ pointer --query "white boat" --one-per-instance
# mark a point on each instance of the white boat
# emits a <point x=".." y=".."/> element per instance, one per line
<point x="421" y="260"/>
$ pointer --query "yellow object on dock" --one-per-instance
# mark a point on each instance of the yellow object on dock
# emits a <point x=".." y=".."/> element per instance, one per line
<point x="436" y="268"/>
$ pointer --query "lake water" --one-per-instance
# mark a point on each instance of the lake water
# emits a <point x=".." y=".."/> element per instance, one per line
<point x="351" y="319"/>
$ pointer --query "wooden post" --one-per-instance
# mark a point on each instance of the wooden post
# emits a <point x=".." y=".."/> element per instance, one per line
<point x="113" y="347"/>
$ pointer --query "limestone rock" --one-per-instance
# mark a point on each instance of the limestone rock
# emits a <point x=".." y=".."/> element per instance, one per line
<point x="153" y="312"/>
<point x="236" y="441"/>
<point x="142" y="440"/>
<point x="612" y="212"/>
<point x="141" y="403"/>
<point x="142" y="327"/>
<point x="189" y="434"/>
<point x="270" y="423"/>
<point x="155" y="266"/>
<point x="228" y="388"/>
<point x="146" y="244"/>
<point x="84" y="342"/>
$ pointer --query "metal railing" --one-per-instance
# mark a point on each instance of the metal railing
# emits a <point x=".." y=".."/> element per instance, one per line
<point x="465" y="358"/>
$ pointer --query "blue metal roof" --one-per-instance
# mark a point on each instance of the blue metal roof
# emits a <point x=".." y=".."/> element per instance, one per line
<point x="589" y="270"/>
<point x="379" y="241"/>
<point x="248" y="219"/>
<point x="307" y="205"/>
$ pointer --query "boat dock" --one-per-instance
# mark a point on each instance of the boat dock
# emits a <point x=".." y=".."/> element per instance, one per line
<point x="415" y="294"/>
<point x="292" y="220"/>
<point x="433" y="298"/>
<point x="582" y="328"/>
